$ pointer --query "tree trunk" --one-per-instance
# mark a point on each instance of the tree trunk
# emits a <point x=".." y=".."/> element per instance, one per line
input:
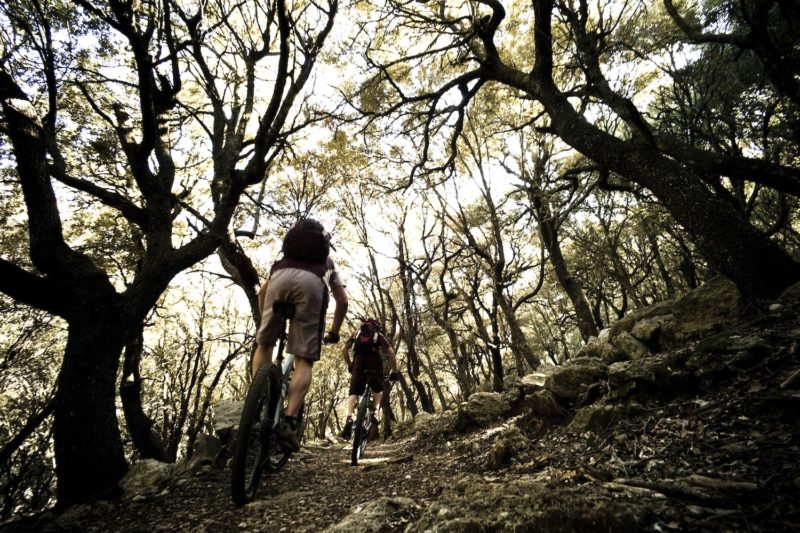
<point x="662" y="268"/>
<point x="548" y="230"/>
<point x="140" y="427"/>
<point x="88" y="448"/>
<point x="519" y="342"/>
<point x="497" y="357"/>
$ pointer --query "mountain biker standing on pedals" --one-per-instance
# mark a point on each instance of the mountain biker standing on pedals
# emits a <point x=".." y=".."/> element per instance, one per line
<point x="366" y="345"/>
<point x="303" y="276"/>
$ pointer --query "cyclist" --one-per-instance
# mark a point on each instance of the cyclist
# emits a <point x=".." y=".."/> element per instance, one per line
<point x="366" y="345"/>
<point x="303" y="276"/>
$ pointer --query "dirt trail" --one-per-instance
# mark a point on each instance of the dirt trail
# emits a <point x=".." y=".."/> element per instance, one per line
<point x="316" y="489"/>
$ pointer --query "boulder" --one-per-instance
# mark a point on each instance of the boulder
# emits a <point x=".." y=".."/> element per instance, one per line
<point x="658" y="332"/>
<point x="225" y="419"/>
<point x="72" y="519"/>
<point x="597" y="418"/>
<point x="726" y="352"/>
<point x="600" y="348"/>
<point x="661" y="371"/>
<point x="713" y="306"/>
<point x="627" y="322"/>
<point x="381" y="514"/>
<point x="544" y="404"/>
<point x="147" y="478"/>
<point x="207" y="449"/>
<point x="630" y="347"/>
<point x="506" y="445"/>
<point x="431" y="425"/>
<point x="571" y="379"/>
<point x="481" y="409"/>
<point x="534" y="382"/>
<point x="523" y="503"/>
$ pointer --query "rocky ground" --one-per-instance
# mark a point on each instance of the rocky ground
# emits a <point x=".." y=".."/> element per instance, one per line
<point x="701" y="436"/>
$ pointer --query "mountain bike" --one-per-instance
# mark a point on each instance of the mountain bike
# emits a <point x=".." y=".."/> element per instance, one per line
<point x="257" y="449"/>
<point x="363" y="424"/>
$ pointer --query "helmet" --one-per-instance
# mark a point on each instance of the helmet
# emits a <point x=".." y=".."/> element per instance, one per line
<point x="374" y="322"/>
<point x="312" y="224"/>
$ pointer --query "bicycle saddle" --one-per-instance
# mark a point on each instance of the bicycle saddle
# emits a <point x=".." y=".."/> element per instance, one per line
<point x="284" y="309"/>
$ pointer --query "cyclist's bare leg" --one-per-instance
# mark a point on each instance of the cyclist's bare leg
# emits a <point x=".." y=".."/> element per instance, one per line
<point x="298" y="387"/>
<point x="352" y="401"/>
<point x="263" y="354"/>
<point x="376" y="402"/>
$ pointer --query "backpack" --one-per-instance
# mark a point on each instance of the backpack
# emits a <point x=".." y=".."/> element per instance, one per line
<point x="366" y="340"/>
<point x="306" y="244"/>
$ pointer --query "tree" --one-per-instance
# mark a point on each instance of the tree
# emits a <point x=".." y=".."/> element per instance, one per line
<point x="160" y="113"/>
<point x="27" y="387"/>
<point x="567" y="79"/>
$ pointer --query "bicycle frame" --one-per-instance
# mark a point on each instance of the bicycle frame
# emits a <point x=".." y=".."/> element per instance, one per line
<point x="286" y="370"/>
<point x="257" y="450"/>
<point x="363" y="422"/>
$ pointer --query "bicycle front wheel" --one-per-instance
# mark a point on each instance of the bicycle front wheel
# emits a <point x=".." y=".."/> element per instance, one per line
<point x="251" y="450"/>
<point x="361" y="429"/>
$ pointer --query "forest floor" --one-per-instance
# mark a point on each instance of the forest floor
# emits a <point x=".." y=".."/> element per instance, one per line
<point x="720" y="457"/>
<point x="725" y="461"/>
<point x="316" y="489"/>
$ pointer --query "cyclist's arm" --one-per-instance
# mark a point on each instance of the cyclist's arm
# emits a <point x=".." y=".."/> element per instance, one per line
<point x="340" y="297"/>
<point x="392" y="359"/>
<point x="262" y="292"/>
<point x="346" y="351"/>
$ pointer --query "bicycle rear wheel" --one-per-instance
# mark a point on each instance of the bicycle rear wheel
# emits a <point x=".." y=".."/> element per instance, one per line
<point x="251" y="451"/>
<point x="361" y="429"/>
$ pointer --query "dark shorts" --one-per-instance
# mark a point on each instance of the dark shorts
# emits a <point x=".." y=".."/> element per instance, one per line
<point x="359" y="378"/>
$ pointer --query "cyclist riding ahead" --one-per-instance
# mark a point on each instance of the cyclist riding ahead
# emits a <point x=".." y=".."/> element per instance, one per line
<point x="367" y="366"/>
<point x="303" y="277"/>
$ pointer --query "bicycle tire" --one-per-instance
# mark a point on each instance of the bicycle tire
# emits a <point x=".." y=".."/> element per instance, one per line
<point x="360" y="429"/>
<point x="255" y="424"/>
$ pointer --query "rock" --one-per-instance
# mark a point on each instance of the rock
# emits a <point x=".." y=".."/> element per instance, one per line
<point x="661" y="371"/>
<point x="225" y="419"/>
<point x="727" y="351"/>
<point x="775" y="308"/>
<point x="658" y="333"/>
<point x="381" y="514"/>
<point x="206" y="450"/>
<point x="429" y="425"/>
<point x="598" y="417"/>
<point x="713" y="306"/>
<point x="506" y="446"/>
<point x="71" y="519"/>
<point x="474" y="504"/>
<point x="600" y="349"/>
<point x="627" y="322"/>
<point x="791" y="296"/>
<point x="513" y="394"/>
<point x="533" y="382"/>
<point x="544" y="404"/>
<point x="146" y="478"/>
<point x="481" y="409"/>
<point x="629" y="346"/>
<point x="569" y="380"/>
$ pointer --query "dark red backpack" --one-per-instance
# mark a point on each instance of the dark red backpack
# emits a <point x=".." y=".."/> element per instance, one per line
<point x="366" y="340"/>
<point x="306" y="241"/>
